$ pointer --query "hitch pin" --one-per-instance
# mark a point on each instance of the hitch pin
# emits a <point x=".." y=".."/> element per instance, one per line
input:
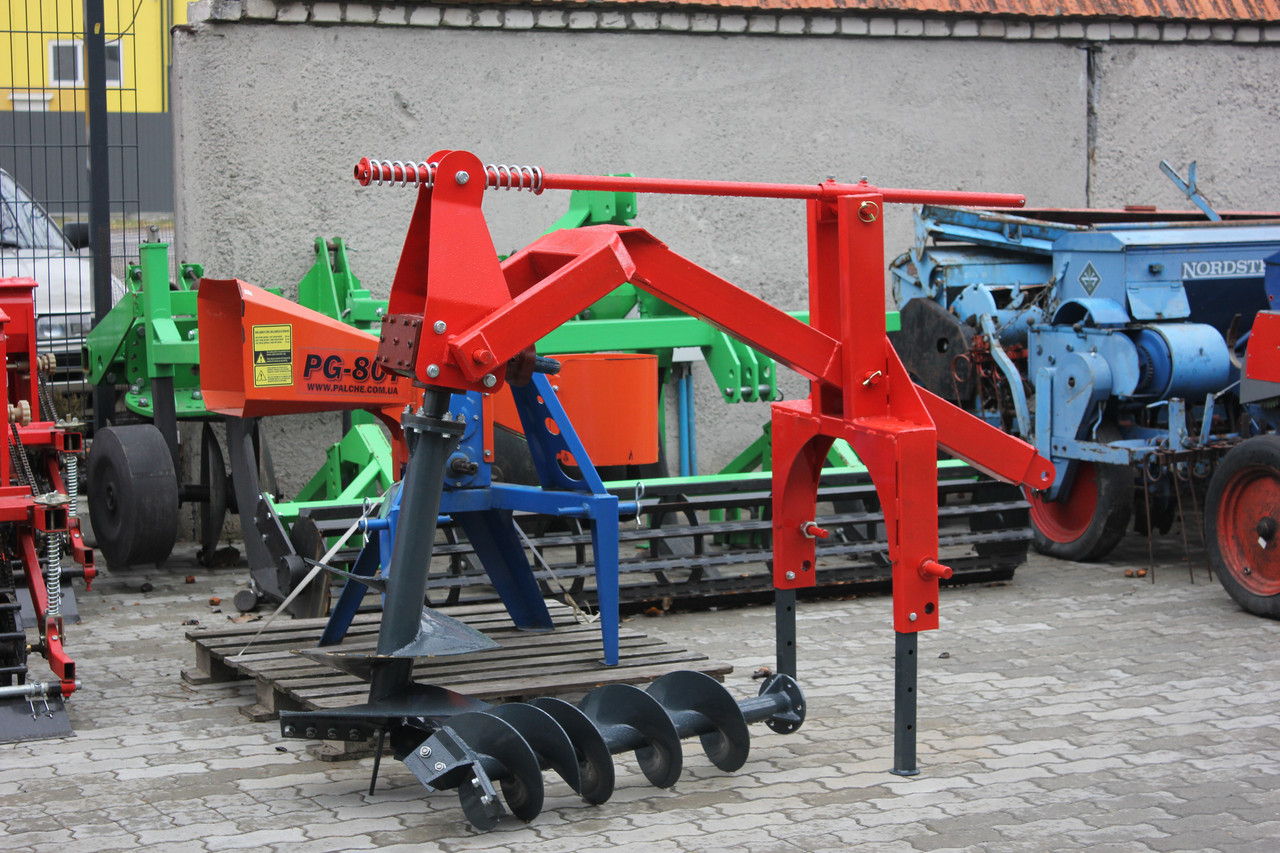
<point x="933" y="570"/>
<point x="812" y="531"/>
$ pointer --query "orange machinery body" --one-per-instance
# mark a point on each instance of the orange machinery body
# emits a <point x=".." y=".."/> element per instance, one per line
<point x="611" y="399"/>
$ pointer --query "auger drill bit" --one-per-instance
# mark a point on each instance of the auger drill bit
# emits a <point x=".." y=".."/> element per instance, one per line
<point x="511" y="744"/>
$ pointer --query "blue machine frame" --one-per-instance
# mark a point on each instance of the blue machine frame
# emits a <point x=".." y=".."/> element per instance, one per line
<point x="485" y="511"/>
<point x="1107" y="342"/>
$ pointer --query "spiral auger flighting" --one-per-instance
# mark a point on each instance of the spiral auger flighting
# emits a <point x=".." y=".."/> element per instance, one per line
<point x="512" y="744"/>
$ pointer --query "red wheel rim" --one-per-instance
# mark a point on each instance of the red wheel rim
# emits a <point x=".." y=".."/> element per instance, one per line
<point x="1067" y="520"/>
<point x="1247" y="522"/>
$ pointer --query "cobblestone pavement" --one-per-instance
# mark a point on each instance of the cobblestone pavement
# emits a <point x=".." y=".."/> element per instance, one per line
<point x="1070" y="709"/>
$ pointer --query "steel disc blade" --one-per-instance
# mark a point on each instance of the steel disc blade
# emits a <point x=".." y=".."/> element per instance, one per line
<point x="701" y="705"/>
<point x="595" y="763"/>
<point x="213" y="477"/>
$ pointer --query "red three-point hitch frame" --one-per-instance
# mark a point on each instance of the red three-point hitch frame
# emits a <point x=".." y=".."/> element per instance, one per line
<point x="459" y="319"/>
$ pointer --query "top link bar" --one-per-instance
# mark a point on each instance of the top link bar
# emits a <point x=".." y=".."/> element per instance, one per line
<point x="534" y="179"/>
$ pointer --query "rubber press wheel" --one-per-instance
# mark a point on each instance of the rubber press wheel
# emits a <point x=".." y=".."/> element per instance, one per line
<point x="1242" y="515"/>
<point x="133" y="495"/>
<point x="1089" y="521"/>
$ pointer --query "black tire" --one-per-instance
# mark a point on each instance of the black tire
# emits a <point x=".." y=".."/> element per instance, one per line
<point x="1088" y="522"/>
<point x="1242" y="522"/>
<point x="133" y="495"/>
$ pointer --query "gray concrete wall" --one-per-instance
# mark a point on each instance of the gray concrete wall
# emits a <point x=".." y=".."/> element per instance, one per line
<point x="272" y="117"/>
<point x="1215" y="104"/>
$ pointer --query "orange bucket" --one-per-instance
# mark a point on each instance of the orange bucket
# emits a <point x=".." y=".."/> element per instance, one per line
<point x="612" y="401"/>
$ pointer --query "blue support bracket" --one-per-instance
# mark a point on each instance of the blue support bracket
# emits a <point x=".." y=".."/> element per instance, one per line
<point x="485" y="511"/>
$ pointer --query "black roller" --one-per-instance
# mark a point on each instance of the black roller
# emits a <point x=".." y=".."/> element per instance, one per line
<point x="630" y="719"/>
<point x="595" y="762"/>
<point x="700" y="705"/>
<point x="133" y="495"/>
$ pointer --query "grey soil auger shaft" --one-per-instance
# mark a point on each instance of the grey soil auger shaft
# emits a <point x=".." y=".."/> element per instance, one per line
<point x="430" y="441"/>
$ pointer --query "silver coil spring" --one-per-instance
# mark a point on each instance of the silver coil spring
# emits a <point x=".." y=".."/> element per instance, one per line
<point x="496" y="176"/>
<point x="53" y="583"/>
<point x="502" y="177"/>
<point x="71" y="463"/>
<point x="420" y="174"/>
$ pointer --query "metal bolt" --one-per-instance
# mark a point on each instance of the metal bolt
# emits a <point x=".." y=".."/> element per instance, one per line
<point x="489" y="380"/>
<point x="425" y="752"/>
<point x="791" y="576"/>
<point x="354" y="734"/>
<point x="433" y="370"/>
<point x="438" y="766"/>
<point x="197" y="394"/>
<point x="290" y="731"/>
<point x="439" y="327"/>
<point x="191" y="335"/>
<point x="311" y="733"/>
<point x="143" y="402"/>
<point x="462" y="178"/>
<point x="912" y="617"/>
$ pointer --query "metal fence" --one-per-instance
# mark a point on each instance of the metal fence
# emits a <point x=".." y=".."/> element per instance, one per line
<point x="88" y="165"/>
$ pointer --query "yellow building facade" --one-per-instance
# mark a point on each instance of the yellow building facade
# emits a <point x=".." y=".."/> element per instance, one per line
<point x="46" y="67"/>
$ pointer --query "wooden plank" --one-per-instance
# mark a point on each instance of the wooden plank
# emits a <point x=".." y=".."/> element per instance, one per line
<point x="304" y="678"/>
<point x="526" y="664"/>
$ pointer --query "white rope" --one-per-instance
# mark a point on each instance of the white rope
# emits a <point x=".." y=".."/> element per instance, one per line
<point x="315" y="570"/>
<point x="582" y="615"/>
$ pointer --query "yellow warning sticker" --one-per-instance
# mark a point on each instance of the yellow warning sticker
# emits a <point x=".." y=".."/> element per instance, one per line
<point x="272" y="355"/>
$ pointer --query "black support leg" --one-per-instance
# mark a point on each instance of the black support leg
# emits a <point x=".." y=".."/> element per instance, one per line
<point x="785" y="630"/>
<point x="904" y="706"/>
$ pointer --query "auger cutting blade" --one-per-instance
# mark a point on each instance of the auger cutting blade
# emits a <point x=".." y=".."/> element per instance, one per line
<point x="595" y="762"/>
<point x="493" y="750"/>
<point x="630" y="719"/>
<point x="506" y="757"/>
<point x="701" y="705"/>
<point x="439" y="634"/>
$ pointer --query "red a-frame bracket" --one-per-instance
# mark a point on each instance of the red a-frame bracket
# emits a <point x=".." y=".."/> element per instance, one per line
<point x="458" y="319"/>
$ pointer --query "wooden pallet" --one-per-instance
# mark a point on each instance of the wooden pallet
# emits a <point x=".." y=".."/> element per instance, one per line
<point x="562" y="662"/>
